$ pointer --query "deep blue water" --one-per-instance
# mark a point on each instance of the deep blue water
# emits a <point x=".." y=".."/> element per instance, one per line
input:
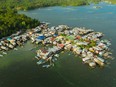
<point x="19" y="69"/>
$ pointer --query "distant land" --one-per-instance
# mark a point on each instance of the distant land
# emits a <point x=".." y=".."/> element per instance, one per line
<point x="31" y="4"/>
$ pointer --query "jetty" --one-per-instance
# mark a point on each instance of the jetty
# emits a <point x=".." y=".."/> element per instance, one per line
<point x="85" y="43"/>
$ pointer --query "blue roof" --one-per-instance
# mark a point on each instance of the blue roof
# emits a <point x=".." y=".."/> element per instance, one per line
<point x="55" y="35"/>
<point x="9" y="38"/>
<point x="41" y="37"/>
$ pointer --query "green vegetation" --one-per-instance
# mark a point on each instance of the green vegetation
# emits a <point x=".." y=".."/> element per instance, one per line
<point x="31" y="4"/>
<point x="91" y="44"/>
<point x="11" y="21"/>
<point x="112" y="1"/>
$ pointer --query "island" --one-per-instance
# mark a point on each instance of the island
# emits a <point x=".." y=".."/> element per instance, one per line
<point x="85" y="43"/>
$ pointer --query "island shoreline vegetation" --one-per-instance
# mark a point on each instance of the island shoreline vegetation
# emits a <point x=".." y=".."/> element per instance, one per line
<point x="11" y="21"/>
<point x="32" y="4"/>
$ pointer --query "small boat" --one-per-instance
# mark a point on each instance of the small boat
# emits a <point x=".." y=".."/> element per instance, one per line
<point x="15" y="49"/>
<point x="36" y="57"/>
<point x="1" y="55"/>
<point x="46" y="66"/>
<point x="56" y="55"/>
<point x="54" y="59"/>
<point x="41" y="62"/>
<point x="4" y="53"/>
<point x="96" y="7"/>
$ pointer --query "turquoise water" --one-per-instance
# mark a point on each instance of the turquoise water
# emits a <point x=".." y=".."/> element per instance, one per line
<point x="19" y="69"/>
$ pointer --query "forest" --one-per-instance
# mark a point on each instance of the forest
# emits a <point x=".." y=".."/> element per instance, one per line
<point x="31" y="4"/>
<point x="11" y="21"/>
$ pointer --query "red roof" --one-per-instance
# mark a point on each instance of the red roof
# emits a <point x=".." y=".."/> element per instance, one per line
<point x="52" y="39"/>
<point x="78" y="37"/>
<point x="60" y="45"/>
<point x="43" y="50"/>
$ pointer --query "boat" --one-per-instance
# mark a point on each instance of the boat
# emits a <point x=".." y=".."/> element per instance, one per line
<point x="56" y="55"/>
<point x="15" y="49"/>
<point x="4" y="53"/>
<point x="54" y="59"/>
<point x="92" y="64"/>
<point x="36" y="57"/>
<point x="41" y="61"/>
<point x="46" y="66"/>
<point x="96" y="7"/>
<point x="1" y="55"/>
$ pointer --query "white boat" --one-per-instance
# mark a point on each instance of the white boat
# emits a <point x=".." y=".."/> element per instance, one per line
<point x="41" y="62"/>
<point x="92" y="64"/>
<point x="46" y="66"/>
<point x="54" y="59"/>
<point x="56" y="55"/>
<point x="1" y="55"/>
<point x="15" y="49"/>
<point x="36" y="57"/>
<point x="96" y="7"/>
<point x="4" y="53"/>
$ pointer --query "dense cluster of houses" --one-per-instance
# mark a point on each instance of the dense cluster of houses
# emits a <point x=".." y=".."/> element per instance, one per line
<point x="85" y="43"/>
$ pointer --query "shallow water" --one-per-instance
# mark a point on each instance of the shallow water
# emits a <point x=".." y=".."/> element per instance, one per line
<point x="19" y="69"/>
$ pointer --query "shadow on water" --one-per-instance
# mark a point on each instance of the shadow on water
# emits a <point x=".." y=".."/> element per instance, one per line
<point x="69" y="71"/>
<point x="20" y="70"/>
